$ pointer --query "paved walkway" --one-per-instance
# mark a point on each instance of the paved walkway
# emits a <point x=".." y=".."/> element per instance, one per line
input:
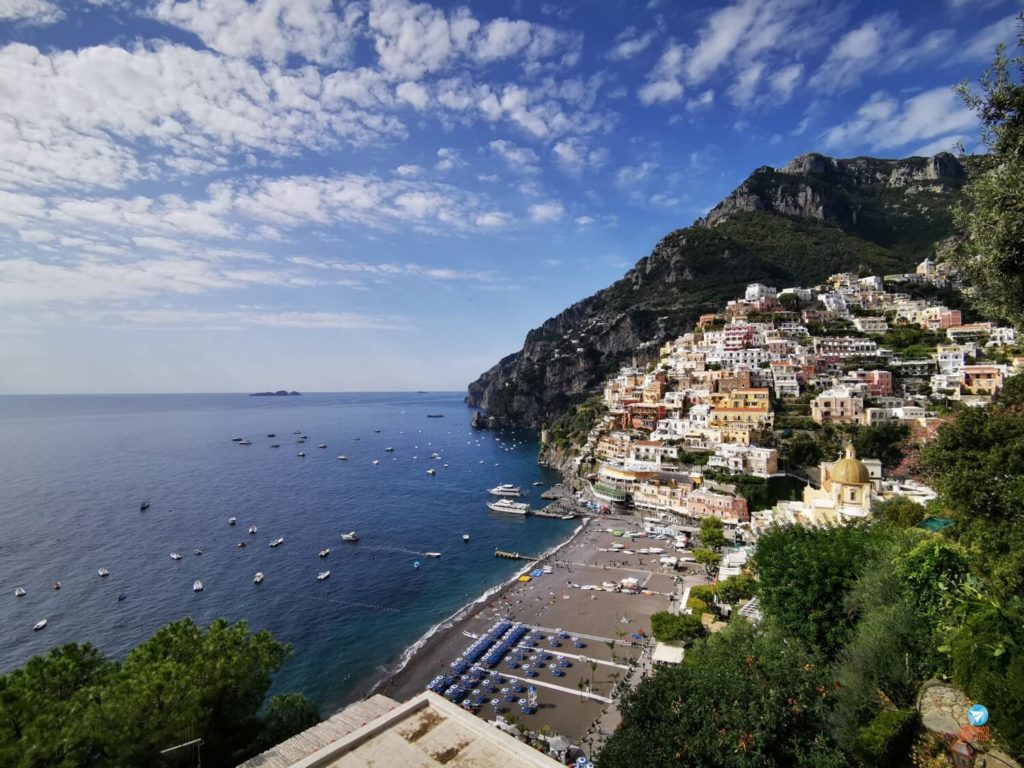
<point x="556" y="652"/>
<point x="562" y="688"/>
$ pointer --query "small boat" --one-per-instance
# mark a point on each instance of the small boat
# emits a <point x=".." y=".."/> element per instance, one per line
<point x="253" y="529"/>
<point x="325" y="552"/>
<point x="271" y="434"/>
<point x="350" y="536"/>
<point x="258" y="577"/>
<point x="322" y="445"/>
<point x="323" y="575"/>
<point x="240" y="545"/>
<point x="465" y="537"/>
<point x="39" y="625"/>
<point x="245" y="442"/>
<point x="297" y="432"/>
<point x="343" y="457"/>
<point x="57" y="584"/>
<point x="197" y="552"/>
<point x="237" y="439"/>
<point x="509" y="506"/>
<point x="122" y="597"/>
<point x="19" y="592"/>
<point x="505" y="489"/>
<point x="538" y="482"/>
<point x="277" y="542"/>
<point x="435" y="415"/>
<point x="232" y="520"/>
<point x="275" y="445"/>
<point x="103" y="572"/>
<point x="431" y="554"/>
<point x="375" y="461"/>
<point x="143" y="506"/>
<point x="416" y="564"/>
<point x="431" y="471"/>
<point x="175" y="556"/>
<point x="389" y="450"/>
<point x="302" y="454"/>
<point x="355" y="438"/>
<point x="197" y="586"/>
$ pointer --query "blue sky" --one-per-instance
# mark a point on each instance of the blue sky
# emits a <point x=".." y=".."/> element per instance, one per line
<point x="221" y="195"/>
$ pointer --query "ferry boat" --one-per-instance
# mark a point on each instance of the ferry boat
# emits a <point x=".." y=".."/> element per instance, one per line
<point x="258" y="577"/>
<point x="507" y="505"/>
<point x="505" y="489"/>
<point x="277" y="542"/>
<point x="323" y="575"/>
<point x="197" y="586"/>
<point x="350" y="536"/>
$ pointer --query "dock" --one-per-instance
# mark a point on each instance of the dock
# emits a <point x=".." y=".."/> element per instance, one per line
<point x="513" y="555"/>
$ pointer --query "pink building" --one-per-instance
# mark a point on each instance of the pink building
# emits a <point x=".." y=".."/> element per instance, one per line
<point x="702" y="503"/>
<point x="879" y="382"/>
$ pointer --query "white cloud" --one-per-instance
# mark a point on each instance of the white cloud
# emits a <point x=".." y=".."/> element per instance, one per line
<point x="883" y="123"/>
<point x="743" y="91"/>
<point x="583" y="221"/>
<point x="448" y="160"/>
<point x="247" y="319"/>
<point x="545" y="212"/>
<point x="517" y="158"/>
<point x="631" y="175"/>
<point x="663" y="82"/>
<point x="492" y="219"/>
<point x="39" y="12"/>
<point x="944" y="144"/>
<point x="982" y="45"/>
<point x="574" y="156"/>
<point x="267" y="29"/>
<point x="628" y="44"/>
<point x="409" y="171"/>
<point x="702" y="101"/>
<point x="785" y="81"/>
<point x="414" y="93"/>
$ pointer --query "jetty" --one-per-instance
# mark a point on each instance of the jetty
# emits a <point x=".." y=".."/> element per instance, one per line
<point x="513" y="555"/>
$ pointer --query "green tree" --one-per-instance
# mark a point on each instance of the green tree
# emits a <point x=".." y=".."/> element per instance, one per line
<point x="802" y="450"/>
<point x="673" y="627"/>
<point x="992" y="214"/>
<point x="712" y="533"/>
<point x="286" y="715"/>
<point x="742" y="698"/>
<point x="805" y="575"/>
<point x="899" y="511"/>
<point x="709" y="559"/>
<point x="736" y="588"/>
<point x="882" y="442"/>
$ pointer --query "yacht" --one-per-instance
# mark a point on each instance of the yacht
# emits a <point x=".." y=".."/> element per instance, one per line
<point x="19" y="592"/>
<point x="277" y="542"/>
<point x="175" y="556"/>
<point x="325" y="552"/>
<point x="197" y="586"/>
<point x="350" y="536"/>
<point x="507" y="505"/>
<point x="245" y="442"/>
<point x="431" y="471"/>
<point x="431" y="554"/>
<point x="506" y="489"/>
<point x="103" y="572"/>
<point x="258" y="577"/>
<point x="253" y="529"/>
<point x="232" y="520"/>
<point x="465" y="537"/>
<point x="39" y="625"/>
<point x="322" y="575"/>
<point x="322" y="445"/>
<point x="538" y="482"/>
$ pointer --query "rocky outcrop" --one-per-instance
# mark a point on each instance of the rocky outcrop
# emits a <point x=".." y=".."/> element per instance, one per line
<point x="789" y="226"/>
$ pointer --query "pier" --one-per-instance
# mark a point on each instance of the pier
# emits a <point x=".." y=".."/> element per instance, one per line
<point x="514" y="555"/>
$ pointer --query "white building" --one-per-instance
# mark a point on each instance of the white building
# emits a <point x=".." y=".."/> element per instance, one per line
<point x="759" y="292"/>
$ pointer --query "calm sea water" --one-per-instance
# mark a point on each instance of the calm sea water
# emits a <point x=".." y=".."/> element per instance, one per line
<point x="74" y="470"/>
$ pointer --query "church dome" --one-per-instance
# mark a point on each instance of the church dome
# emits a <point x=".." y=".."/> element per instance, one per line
<point x="849" y="471"/>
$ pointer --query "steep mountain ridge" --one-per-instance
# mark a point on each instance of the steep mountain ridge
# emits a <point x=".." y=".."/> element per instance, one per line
<point x="789" y="226"/>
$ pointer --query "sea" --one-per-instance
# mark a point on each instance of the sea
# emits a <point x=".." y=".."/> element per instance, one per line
<point x="74" y="471"/>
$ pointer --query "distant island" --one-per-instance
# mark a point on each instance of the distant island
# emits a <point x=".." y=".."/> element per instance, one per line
<point x="279" y="393"/>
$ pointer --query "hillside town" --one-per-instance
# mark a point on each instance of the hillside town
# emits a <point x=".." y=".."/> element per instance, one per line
<point x="780" y="368"/>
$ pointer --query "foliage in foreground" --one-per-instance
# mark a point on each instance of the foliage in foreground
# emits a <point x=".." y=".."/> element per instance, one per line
<point x="73" y="707"/>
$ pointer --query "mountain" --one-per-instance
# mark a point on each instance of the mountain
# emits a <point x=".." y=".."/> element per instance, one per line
<point x="791" y="226"/>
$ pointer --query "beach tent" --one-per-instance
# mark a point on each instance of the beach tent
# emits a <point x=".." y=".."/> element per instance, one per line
<point x="537" y="572"/>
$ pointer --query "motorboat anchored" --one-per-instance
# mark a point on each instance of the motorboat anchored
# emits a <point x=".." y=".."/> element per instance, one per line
<point x="175" y="556"/>
<point x="376" y="461"/>
<point x="350" y="536"/>
<point x="431" y="554"/>
<point x="389" y="449"/>
<point x="465" y="537"/>
<point x="197" y="552"/>
<point x="325" y="552"/>
<point x="302" y="454"/>
<point x="103" y="572"/>
<point x="232" y="520"/>
<point x="509" y="506"/>
<point x="343" y="457"/>
<point x="39" y="625"/>
<point x="277" y="542"/>
<point x="19" y="592"/>
<point x="322" y="445"/>
<point x="253" y="529"/>
<point x="505" y="489"/>
<point x="323" y="575"/>
<point x="143" y="506"/>
<point x="258" y="577"/>
<point x="431" y="471"/>
<point x="197" y="586"/>
<point x="57" y="584"/>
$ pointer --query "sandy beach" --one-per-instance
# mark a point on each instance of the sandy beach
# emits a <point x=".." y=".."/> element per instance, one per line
<point x="605" y="623"/>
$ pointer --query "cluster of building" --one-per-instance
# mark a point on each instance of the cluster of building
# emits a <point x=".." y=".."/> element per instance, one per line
<point x="709" y="401"/>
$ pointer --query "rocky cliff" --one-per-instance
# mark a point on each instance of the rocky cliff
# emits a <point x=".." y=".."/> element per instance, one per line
<point x="793" y="225"/>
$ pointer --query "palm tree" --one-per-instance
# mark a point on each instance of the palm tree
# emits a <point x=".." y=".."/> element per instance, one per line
<point x="579" y="684"/>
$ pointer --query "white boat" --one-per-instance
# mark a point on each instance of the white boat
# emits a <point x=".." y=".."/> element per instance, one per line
<point x="322" y="575"/>
<point x="253" y="529"/>
<point x="506" y="489"/>
<point x="325" y="552"/>
<point x="343" y="457"/>
<point x="232" y="520"/>
<point x="39" y="625"/>
<point x="197" y="552"/>
<point x="350" y="536"/>
<point x="197" y="586"/>
<point x="389" y="450"/>
<point x="175" y="556"/>
<point x="431" y="471"/>
<point x="509" y="506"/>
<point x="245" y="442"/>
<point x="302" y="454"/>
<point x="19" y="592"/>
<point x="322" y="445"/>
<point x="538" y="482"/>
<point x="258" y="577"/>
<point x="375" y="461"/>
<point x="277" y="542"/>
<point x="431" y="554"/>
<point x="103" y="572"/>
<point x="57" y="584"/>
<point x="465" y="537"/>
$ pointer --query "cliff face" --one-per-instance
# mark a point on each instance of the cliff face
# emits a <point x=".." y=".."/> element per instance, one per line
<point x="789" y="226"/>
